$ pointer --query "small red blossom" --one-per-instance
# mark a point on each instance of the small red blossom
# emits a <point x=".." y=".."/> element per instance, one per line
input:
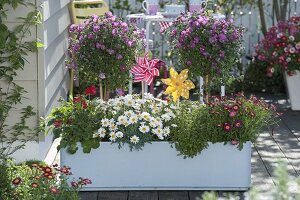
<point x="53" y="190"/>
<point x="34" y="185"/>
<point x="77" y="99"/>
<point x="234" y="141"/>
<point x="236" y="107"/>
<point x="232" y="114"/>
<point x="47" y="169"/>
<point x="90" y="90"/>
<point x="227" y="127"/>
<point x="17" y="181"/>
<point x="238" y="124"/>
<point x="57" y="123"/>
<point x="84" y="104"/>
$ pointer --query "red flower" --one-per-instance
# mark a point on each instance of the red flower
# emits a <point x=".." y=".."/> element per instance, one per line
<point x="227" y="127"/>
<point x="90" y="90"/>
<point x="53" y="190"/>
<point x="47" y="170"/>
<point x="57" y="123"/>
<point x="84" y="104"/>
<point x="34" y="185"/>
<point x="232" y="114"/>
<point x="234" y="141"/>
<point x="17" y="181"/>
<point x="236" y="107"/>
<point x="238" y="124"/>
<point x="77" y="99"/>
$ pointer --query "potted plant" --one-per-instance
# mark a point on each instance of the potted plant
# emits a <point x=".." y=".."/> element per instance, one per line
<point x="280" y="48"/>
<point x="102" y="49"/>
<point x="207" y="45"/>
<point x="146" y="129"/>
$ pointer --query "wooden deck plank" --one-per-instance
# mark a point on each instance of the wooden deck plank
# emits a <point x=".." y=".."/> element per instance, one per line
<point x="143" y="195"/>
<point x="88" y="195"/>
<point x="173" y="195"/>
<point x="292" y="120"/>
<point x="196" y="195"/>
<point x="289" y="145"/>
<point x="114" y="195"/>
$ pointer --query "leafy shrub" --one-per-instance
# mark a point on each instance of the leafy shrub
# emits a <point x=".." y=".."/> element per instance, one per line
<point x="23" y="182"/>
<point x="236" y="120"/>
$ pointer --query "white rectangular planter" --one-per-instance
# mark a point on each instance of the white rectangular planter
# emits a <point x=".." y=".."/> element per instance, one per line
<point x="293" y="87"/>
<point x="158" y="167"/>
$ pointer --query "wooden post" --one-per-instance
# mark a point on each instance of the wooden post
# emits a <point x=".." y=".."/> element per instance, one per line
<point x="71" y="84"/>
<point x="206" y="89"/>
<point x="101" y="89"/>
<point x="143" y="89"/>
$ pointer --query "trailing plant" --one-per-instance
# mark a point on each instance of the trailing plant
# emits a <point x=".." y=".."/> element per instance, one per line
<point x="35" y="181"/>
<point x="13" y="53"/>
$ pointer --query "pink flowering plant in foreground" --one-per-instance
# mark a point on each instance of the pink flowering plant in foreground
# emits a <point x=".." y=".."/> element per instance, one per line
<point x="205" y="45"/>
<point x="104" y="47"/>
<point x="280" y="47"/>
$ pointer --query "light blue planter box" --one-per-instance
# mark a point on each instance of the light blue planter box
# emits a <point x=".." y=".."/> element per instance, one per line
<point x="158" y="167"/>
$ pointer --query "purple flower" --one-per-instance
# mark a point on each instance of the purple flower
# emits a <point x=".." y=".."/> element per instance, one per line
<point x="222" y="54"/>
<point x="232" y="114"/>
<point x="188" y="63"/>
<point x="90" y="36"/>
<point x="96" y="28"/>
<point x="108" y="14"/>
<point x="193" y="45"/>
<point x="213" y="39"/>
<point x="98" y="45"/>
<point x="130" y="43"/>
<point x="222" y="38"/>
<point x="119" y="57"/>
<point x="120" y="92"/>
<point x="102" y="75"/>
<point x="111" y="51"/>
<point x="122" y="68"/>
<point x="226" y="127"/>
<point x="196" y="40"/>
<point x="238" y="124"/>
<point x="114" y="32"/>
<point x="72" y="28"/>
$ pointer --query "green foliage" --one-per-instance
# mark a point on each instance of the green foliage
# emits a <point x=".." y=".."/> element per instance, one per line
<point x="256" y="79"/>
<point x="282" y="180"/>
<point x="119" y="120"/>
<point x="13" y="52"/>
<point x="234" y="120"/>
<point x="30" y="181"/>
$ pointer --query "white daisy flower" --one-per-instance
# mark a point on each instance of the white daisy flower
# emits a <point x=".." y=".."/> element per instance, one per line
<point x="129" y="102"/>
<point x="119" y="134"/>
<point x="122" y="119"/>
<point x="144" y="129"/>
<point x="134" y="139"/>
<point x="145" y="115"/>
<point x="113" y="127"/>
<point x="292" y="50"/>
<point x="112" y="136"/>
<point x="174" y="125"/>
<point x="105" y="122"/>
<point x="292" y="38"/>
<point x="288" y="59"/>
<point x="279" y="35"/>
<point x="160" y="136"/>
<point x="133" y="119"/>
<point x="101" y="132"/>
<point x="166" y="131"/>
<point x="166" y="117"/>
<point x="155" y="110"/>
<point x="129" y="113"/>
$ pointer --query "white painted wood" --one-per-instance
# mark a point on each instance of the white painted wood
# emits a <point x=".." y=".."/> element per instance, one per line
<point x="50" y="7"/>
<point x="158" y="167"/>
<point x="30" y="152"/>
<point x="14" y="117"/>
<point x="30" y="98"/>
<point x="55" y="52"/>
<point x="20" y="11"/>
<point x="56" y="25"/>
<point x="293" y="83"/>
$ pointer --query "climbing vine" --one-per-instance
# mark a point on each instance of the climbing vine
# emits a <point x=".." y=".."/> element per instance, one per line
<point x="14" y="49"/>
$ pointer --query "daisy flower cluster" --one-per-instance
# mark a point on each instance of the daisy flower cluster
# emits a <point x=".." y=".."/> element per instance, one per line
<point x="280" y="47"/>
<point x="136" y="121"/>
<point x="238" y="116"/>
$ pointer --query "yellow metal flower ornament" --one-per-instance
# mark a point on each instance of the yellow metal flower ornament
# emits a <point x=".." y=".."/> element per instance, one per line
<point x="178" y="85"/>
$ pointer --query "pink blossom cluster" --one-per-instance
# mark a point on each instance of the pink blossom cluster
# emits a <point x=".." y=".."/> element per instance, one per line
<point x="280" y="47"/>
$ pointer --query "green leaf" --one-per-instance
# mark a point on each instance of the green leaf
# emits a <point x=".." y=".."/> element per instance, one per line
<point x="39" y="45"/>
